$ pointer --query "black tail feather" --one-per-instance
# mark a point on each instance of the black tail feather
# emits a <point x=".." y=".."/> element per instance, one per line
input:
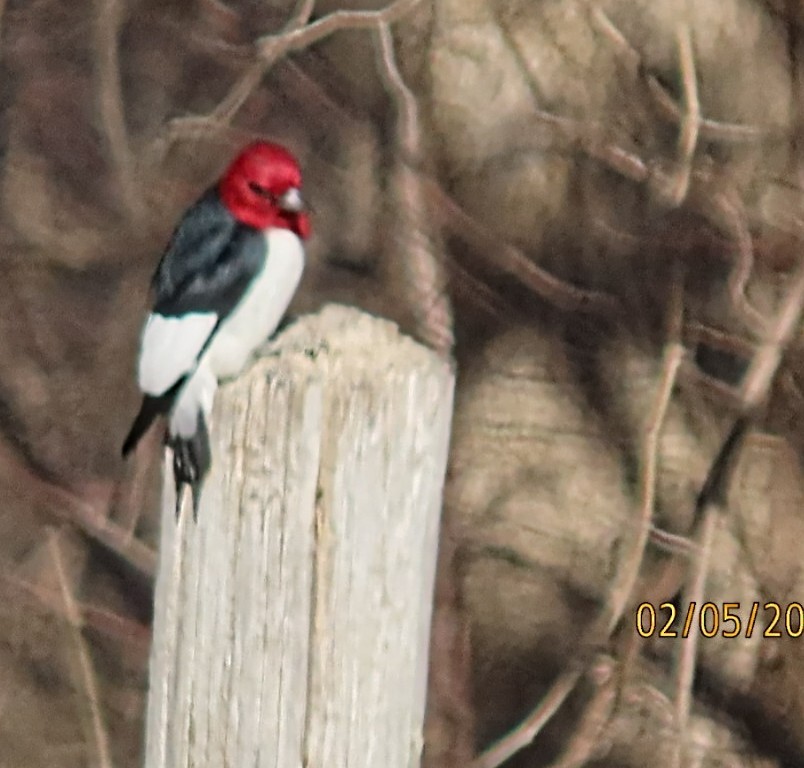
<point x="151" y="408"/>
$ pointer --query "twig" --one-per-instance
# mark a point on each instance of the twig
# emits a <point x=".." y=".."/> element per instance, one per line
<point x="755" y="386"/>
<point x="722" y="209"/>
<point x="478" y="291"/>
<point x="449" y="729"/>
<point x="528" y="729"/>
<point x="753" y="393"/>
<point x="585" y="738"/>
<point x="306" y="36"/>
<point x="424" y="271"/>
<point x="689" y="646"/>
<point x="765" y="362"/>
<point x="408" y="130"/>
<point x="710" y="386"/>
<point x="628" y="572"/>
<point x="673" y="543"/>
<point x="296" y="36"/>
<point x="691" y="117"/>
<point x="116" y="539"/>
<point x="672" y="188"/>
<point x="727" y="211"/>
<point x="510" y="259"/>
<point x="699" y="333"/>
<point x="129" y="632"/>
<point x="130" y="495"/>
<point x="301" y="14"/>
<point x="91" y="518"/>
<point x="108" y="18"/>
<point x="83" y="660"/>
<point x="709" y="129"/>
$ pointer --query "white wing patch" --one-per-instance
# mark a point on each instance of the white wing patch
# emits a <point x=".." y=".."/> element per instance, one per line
<point x="170" y="348"/>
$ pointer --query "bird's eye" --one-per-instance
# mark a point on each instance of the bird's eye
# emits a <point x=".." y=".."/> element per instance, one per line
<point x="261" y="191"/>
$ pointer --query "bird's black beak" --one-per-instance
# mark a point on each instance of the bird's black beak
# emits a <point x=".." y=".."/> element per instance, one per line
<point x="291" y="201"/>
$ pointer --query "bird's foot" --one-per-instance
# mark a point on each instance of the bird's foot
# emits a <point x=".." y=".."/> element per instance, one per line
<point x="192" y="458"/>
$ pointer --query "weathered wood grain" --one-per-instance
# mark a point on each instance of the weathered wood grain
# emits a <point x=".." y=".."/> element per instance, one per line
<point x="292" y="621"/>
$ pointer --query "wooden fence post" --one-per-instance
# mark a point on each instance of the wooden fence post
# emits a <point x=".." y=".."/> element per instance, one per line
<point x="292" y="622"/>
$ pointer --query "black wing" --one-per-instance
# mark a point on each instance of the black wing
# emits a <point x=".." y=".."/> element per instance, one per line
<point x="208" y="264"/>
<point x="207" y="267"/>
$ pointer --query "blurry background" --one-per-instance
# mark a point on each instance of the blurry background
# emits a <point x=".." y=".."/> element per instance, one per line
<point x="608" y="194"/>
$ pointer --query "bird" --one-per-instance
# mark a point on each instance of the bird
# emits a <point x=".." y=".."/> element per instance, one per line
<point x="220" y="289"/>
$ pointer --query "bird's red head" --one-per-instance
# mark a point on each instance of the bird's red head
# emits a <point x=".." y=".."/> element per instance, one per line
<point x="262" y="188"/>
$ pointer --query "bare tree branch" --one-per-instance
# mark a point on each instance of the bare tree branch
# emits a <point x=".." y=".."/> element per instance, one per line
<point x="408" y="129"/>
<point x="129" y="633"/>
<point x="696" y="333"/>
<point x="481" y="294"/>
<point x="762" y="369"/>
<point x="685" y="672"/>
<point x="296" y="36"/>
<point x="510" y="259"/>
<point x="690" y="119"/>
<point x="82" y="660"/>
<point x="426" y="283"/>
<point x="673" y="543"/>
<point x="529" y="729"/>
<point x="91" y="517"/>
<point x="713" y="130"/>
<point x="108" y="18"/>
<point x="625" y="579"/>
<point x="723" y="208"/>
<point x="585" y="739"/>
<point x="755" y="387"/>
<point x="628" y="571"/>
<point x="449" y="728"/>
<point x="753" y="393"/>
<point x="301" y="14"/>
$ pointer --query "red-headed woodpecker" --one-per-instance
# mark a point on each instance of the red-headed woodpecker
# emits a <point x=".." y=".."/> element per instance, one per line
<point x="221" y="288"/>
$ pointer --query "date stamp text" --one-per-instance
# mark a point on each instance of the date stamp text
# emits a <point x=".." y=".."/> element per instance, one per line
<point x="720" y="619"/>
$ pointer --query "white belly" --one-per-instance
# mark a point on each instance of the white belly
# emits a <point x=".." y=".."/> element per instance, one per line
<point x="257" y="315"/>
